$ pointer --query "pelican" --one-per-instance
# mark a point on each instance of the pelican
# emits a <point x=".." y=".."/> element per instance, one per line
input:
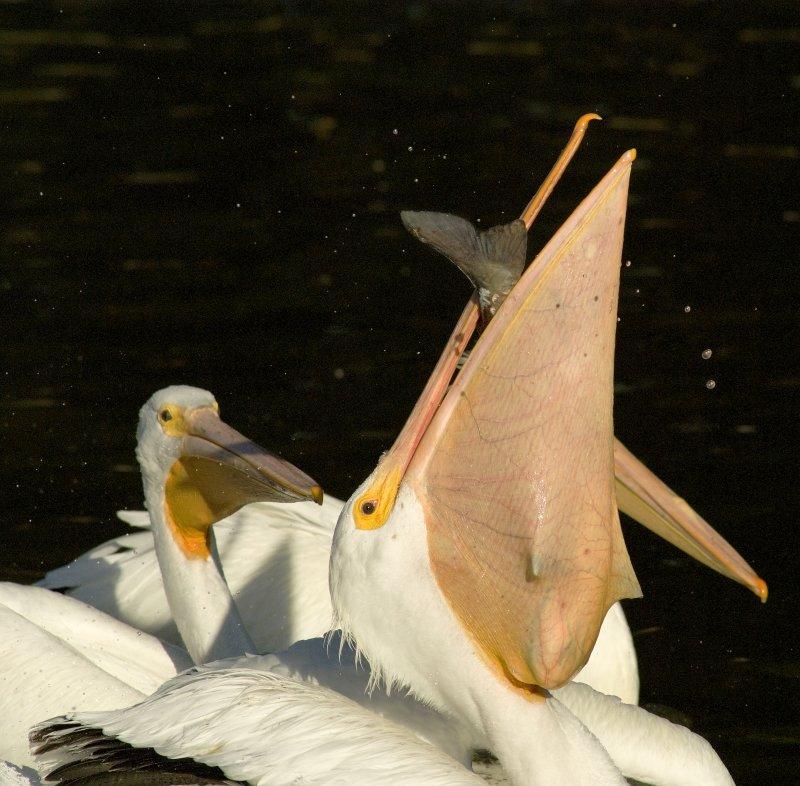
<point x="426" y="613"/>
<point x="476" y="563"/>
<point x="57" y="653"/>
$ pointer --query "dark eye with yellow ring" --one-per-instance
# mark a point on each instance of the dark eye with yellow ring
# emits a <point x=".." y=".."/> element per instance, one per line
<point x="165" y="415"/>
<point x="369" y="507"/>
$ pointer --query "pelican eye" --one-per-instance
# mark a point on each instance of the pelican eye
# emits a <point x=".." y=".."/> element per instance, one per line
<point x="164" y="415"/>
<point x="373" y="508"/>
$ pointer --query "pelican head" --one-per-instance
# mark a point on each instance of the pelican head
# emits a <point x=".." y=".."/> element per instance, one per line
<point x="204" y="469"/>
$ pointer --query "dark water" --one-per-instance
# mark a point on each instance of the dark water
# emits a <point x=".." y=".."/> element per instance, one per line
<point x="209" y="194"/>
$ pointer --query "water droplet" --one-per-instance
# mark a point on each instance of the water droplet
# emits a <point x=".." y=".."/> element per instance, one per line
<point x="711" y="384"/>
<point x="338" y="373"/>
<point x="627" y="263"/>
<point x="706" y="354"/>
<point x="394" y="131"/>
<point x="410" y="149"/>
<point x="687" y="309"/>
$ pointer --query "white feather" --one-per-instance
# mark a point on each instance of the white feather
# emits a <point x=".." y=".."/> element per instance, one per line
<point x="57" y="655"/>
<point x="135" y="518"/>
<point x="268" y="729"/>
<point x="645" y="747"/>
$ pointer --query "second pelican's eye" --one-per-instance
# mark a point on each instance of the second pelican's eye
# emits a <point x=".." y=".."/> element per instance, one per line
<point x="369" y="506"/>
<point x="165" y="415"/>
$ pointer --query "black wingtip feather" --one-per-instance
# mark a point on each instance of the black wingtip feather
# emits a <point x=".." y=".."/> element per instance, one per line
<point x="93" y="759"/>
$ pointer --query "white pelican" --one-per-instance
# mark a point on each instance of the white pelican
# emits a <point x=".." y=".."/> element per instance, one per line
<point x="476" y="563"/>
<point x="57" y="653"/>
<point x="399" y="604"/>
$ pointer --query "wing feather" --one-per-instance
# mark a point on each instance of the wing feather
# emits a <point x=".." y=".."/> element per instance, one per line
<point x="516" y="471"/>
<point x="256" y="726"/>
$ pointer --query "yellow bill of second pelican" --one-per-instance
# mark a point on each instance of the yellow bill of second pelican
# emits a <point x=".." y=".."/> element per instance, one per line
<point x="217" y="472"/>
